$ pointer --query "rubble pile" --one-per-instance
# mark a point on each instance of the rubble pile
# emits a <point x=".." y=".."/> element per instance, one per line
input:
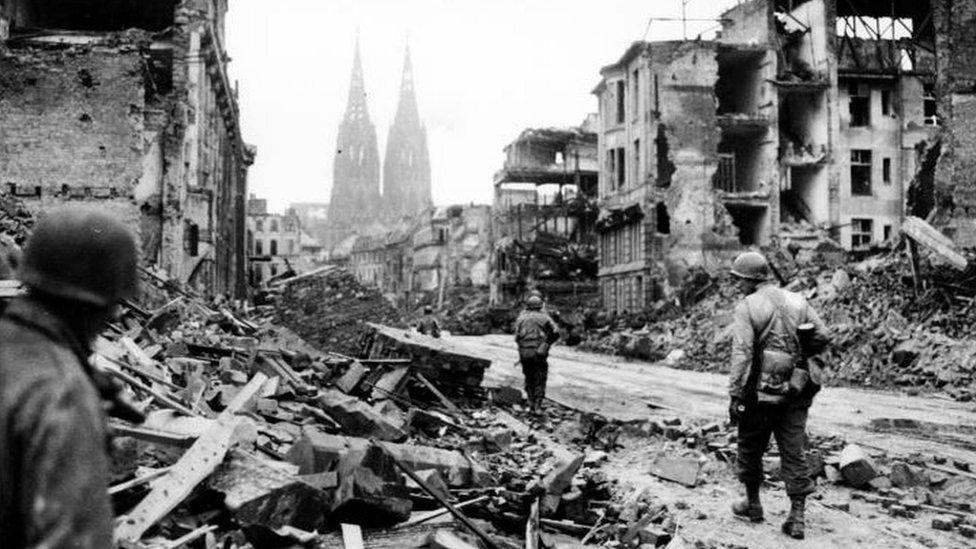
<point x="331" y="309"/>
<point x="251" y="437"/>
<point x="15" y="220"/>
<point x="884" y="333"/>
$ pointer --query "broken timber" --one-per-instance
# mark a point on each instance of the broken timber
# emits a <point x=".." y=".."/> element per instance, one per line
<point x="449" y="366"/>
<point x="926" y="235"/>
<point x="196" y="464"/>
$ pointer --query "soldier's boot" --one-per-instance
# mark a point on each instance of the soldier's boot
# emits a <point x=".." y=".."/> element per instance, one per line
<point x="794" y="525"/>
<point x="750" y="508"/>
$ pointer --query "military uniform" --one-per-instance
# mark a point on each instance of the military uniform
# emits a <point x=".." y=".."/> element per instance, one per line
<point x="429" y="326"/>
<point x="53" y="460"/>
<point x="765" y="324"/>
<point x="535" y="332"/>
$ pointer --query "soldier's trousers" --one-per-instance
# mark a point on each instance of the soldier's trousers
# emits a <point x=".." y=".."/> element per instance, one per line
<point x="536" y="372"/>
<point x="788" y="425"/>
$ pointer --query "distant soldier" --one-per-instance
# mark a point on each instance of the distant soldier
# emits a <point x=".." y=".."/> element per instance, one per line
<point x="535" y="332"/>
<point x="54" y="468"/>
<point x="428" y="324"/>
<point x="771" y="389"/>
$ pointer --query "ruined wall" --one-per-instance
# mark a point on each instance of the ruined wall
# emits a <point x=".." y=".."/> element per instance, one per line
<point x="747" y="23"/>
<point x="955" y="189"/>
<point x="72" y="127"/>
<point x="701" y="231"/>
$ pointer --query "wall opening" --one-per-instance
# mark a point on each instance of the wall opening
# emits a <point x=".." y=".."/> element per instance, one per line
<point x="750" y="220"/>
<point x="861" y="172"/>
<point x="859" y="104"/>
<point x="273" y="248"/>
<point x="191" y="239"/>
<point x="90" y="15"/>
<point x="662" y="218"/>
<point x="740" y="80"/>
<point x="740" y="162"/>
<point x="665" y="168"/>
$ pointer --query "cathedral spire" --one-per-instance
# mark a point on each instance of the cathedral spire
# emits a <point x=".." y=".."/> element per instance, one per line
<point x="356" y="106"/>
<point x="406" y="168"/>
<point x="407" y="107"/>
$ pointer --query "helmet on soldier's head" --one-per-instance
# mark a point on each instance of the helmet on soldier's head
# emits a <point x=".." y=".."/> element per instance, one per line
<point x="751" y="266"/>
<point x="82" y="254"/>
<point x="534" y="302"/>
<point x="428" y="310"/>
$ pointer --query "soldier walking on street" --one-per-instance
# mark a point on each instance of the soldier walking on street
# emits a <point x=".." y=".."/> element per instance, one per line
<point x="772" y="384"/>
<point x="54" y="467"/>
<point x="428" y="324"/>
<point x="535" y="332"/>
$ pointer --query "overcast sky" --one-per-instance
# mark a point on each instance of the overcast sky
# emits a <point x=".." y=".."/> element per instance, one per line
<point x="484" y="70"/>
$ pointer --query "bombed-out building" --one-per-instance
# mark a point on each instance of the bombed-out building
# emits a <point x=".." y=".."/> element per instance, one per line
<point x="274" y="242"/>
<point x="544" y="214"/>
<point x="802" y="121"/>
<point x="129" y="105"/>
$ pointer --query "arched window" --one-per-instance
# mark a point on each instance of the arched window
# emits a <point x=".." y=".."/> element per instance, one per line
<point x="274" y="247"/>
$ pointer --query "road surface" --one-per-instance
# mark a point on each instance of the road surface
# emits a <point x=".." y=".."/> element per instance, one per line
<point x="623" y="389"/>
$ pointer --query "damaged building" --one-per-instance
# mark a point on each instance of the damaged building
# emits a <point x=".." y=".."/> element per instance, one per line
<point x="274" y="242"/>
<point x="801" y="121"/>
<point x="131" y="107"/>
<point x="544" y="214"/>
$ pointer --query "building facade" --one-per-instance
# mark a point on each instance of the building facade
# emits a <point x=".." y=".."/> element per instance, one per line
<point x="274" y="242"/>
<point x="99" y="105"/>
<point x="801" y="121"/>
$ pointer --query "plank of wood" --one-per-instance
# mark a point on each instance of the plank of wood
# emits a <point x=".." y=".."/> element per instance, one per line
<point x="951" y="471"/>
<point x="532" y="527"/>
<point x="156" y="436"/>
<point x="352" y="537"/>
<point x="138" y="481"/>
<point x="164" y="399"/>
<point x="446" y="402"/>
<point x="421" y="518"/>
<point x="192" y="536"/>
<point x="928" y="236"/>
<point x="196" y="464"/>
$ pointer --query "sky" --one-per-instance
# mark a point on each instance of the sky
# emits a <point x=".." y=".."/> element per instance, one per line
<point x="484" y="70"/>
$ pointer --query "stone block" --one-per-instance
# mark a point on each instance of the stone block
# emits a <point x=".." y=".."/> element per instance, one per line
<point x="357" y="418"/>
<point x="433" y="479"/>
<point x="943" y="522"/>
<point x="349" y="380"/>
<point x="857" y="467"/>
<point x="681" y="470"/>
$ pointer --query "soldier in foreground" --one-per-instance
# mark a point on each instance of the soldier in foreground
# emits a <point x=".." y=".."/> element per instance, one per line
<point x="535" y="332"/>
<point x="772" y="385"/>
<point x="54" y="467"/>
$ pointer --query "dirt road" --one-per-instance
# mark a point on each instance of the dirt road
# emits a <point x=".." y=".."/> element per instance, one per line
<point x="622" y="389"/>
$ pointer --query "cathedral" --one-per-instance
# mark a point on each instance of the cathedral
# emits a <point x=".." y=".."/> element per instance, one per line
<point x="357" y="205"/>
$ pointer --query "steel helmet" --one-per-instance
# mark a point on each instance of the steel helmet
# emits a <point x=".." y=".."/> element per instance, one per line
<point x="751" y="266"/>
<point x="534" y="302"/>
<point x="82" y="254"/>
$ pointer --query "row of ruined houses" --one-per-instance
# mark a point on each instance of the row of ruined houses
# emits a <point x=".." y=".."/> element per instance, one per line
<point x="128" y="105"/>
<point x="801" y="124"/>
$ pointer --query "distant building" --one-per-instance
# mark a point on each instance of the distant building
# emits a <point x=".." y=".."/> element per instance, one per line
<point x="406" y="167"/>
<point x="315" y="219"/>
<point x="355" y="201"/>
<point x="544" y="214"/>
<point x="274" y="242"/>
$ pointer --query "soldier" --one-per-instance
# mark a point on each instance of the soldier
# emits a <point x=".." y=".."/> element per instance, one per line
<point x="54" y="467"/>
<point x="770" y="385"/>
<point x="428" y="324"/>
<point x="535" y="332"/>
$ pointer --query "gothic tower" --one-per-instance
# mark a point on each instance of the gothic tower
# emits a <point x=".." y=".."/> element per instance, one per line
<point x="356" y="171"/>
<point x="406" y="167"/>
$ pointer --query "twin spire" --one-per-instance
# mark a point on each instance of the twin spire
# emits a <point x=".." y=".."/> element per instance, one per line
<point x="356" y="106"/>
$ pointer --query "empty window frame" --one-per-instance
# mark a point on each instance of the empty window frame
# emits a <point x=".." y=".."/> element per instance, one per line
<point x="638" y="176"/>
<point x="274" y="225"/>
<point x="621" y="101"/>
<point x="887" y="233"/>
<point x="259" y="247"/>
<point x="860" y="172"/>
<point x="886" y="107"/>
<point x="611" y="169"/>
<point x="259" y="225"/>
<point x="886" y="170"/>
<point x="861" y="231"/>
<point x="635" y="86"/>
<point x="273" y="248"/>
<point x="859" y="104"/>
<point x="621" y="166"/>
<point x="929" y="105"/>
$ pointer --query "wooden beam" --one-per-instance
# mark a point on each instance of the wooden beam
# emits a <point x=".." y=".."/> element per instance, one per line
<point x="197" y="464"/>
<point x="138" y="481"/>
<point x="532" y="527"/>
<point x="440" y="396"/>
<point x="164" y="399"/>
<point x="185" y="540"/>
<point x="431" y="515"/>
